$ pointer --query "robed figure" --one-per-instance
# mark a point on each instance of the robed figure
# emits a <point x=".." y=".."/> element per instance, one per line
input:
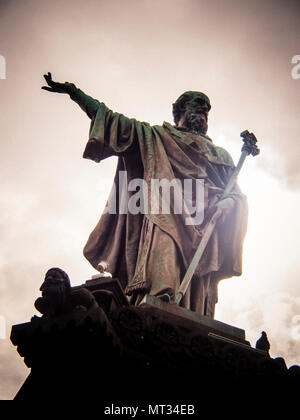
<point x="149" y="251"/>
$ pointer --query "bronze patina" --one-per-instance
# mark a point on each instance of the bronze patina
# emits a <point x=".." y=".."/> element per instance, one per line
<point x="150" y="252"/>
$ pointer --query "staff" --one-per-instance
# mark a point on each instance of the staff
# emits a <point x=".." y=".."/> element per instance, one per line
<point x="249" y="148"/>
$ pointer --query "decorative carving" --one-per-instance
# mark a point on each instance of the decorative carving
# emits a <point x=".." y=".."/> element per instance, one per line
<point x="130" y="341"/>
<point x="201" y="345"/>
<point x="167" y="334"/>
<point x="130" y="320"/>
<point x="250" y="141"/>
<point x="55" y="293"/>
<point x="82" y="299"/>
<point x="58" y="297"/>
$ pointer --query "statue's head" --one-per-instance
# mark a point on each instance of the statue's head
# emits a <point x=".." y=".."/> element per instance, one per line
<point x="55" y="290"/>
<point x="56" y="281"/>
<point x="190" y="111"/>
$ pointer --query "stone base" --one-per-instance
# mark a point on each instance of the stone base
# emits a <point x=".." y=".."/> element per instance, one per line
<point x="155" y="351"/>
<point x="181" y="315"/>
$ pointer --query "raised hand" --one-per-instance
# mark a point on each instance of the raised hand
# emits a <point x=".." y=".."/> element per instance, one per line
<point x="56" y="86"/>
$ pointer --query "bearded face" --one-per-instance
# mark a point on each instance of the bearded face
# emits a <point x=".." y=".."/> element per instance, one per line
<point x="194" y="113"/>
<point x="195" y="121"/>
<point x="55" y="292"/>
<point x="56" y="285"/>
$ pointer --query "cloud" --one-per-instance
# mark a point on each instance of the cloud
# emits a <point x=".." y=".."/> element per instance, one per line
<point x="278" y="314"/>
<point x="13" y="372"/>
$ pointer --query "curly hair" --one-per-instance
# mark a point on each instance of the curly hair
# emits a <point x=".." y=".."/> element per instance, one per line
<point x="179" y="105"/>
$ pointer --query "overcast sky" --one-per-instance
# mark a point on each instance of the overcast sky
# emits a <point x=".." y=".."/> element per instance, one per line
<point x="138" y="57"/>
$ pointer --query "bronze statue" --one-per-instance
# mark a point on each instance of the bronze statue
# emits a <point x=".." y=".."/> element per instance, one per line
<point x="149" y="251"/>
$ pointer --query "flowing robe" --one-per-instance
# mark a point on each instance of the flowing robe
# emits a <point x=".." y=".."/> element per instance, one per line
<point x="150" y="253"/>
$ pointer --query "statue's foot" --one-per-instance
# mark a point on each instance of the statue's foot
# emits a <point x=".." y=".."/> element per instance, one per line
<point x="165" y="297"/>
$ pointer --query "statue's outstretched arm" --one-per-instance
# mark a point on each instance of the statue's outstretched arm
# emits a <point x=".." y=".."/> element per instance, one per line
<point x="86" y="103"/>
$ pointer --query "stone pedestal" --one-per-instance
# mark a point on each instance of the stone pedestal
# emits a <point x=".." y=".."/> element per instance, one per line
<point x="156" y="351"/>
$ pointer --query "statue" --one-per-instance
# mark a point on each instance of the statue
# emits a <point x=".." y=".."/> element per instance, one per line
<point x="150" y="251"/>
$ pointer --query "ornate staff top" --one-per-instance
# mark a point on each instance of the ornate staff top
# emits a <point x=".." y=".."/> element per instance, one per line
<point x="249" y="145"/>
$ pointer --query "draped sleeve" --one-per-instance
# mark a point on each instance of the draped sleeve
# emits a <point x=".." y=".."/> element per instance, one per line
<point x="111" y="134"/>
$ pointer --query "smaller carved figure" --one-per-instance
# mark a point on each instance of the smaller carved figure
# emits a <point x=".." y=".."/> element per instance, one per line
<point x="55" y="290"/>
<point x="82" y="299"/>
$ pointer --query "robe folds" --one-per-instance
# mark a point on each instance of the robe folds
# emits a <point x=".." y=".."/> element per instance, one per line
<point x="150" y="252"/>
